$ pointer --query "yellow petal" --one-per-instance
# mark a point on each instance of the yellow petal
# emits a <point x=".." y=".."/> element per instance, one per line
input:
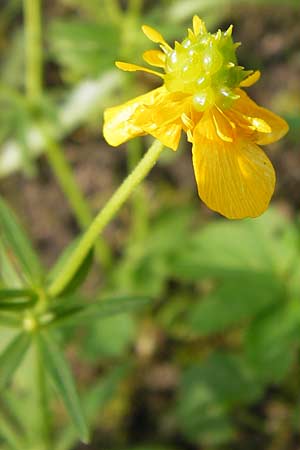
<point x="128" y="67"/>
<point x="260" y="125"/>
<point x="168" y="134"/>
<point x="235" y="179"/>
<point x="163" y="119"/>
<point x="253" y="78"/>
<point x="120" y="121"/>
<point x="260" y="117"/>
<point x="155" y="58"/>
<point x="187" y="121"/>
<point x="198" y="26"/>
<point x="224" y="127"/>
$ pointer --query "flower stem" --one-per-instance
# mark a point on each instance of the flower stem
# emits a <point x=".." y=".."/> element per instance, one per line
<point x="33" y="48"/>
<point x="68" y="184"/>
<point x="104" y="217"/>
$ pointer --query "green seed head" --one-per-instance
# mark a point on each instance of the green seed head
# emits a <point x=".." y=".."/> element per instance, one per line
<point x="205" y="66"/>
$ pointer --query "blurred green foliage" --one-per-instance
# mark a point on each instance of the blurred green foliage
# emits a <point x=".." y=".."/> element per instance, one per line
<point x="217" y="301"/>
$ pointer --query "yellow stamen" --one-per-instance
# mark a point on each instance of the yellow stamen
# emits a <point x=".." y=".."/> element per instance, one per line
<point x="154" y="36"/>
<point x="187" y="121"/>
<point x="222" y="125"/>
<point x="128" y="67"/>
<point x="155" y="58"/>
<point x="253" y="78"/>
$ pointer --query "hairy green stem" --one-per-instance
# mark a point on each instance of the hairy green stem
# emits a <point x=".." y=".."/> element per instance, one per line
<point x="104" y="217"/>
<point x="33" y="48"/>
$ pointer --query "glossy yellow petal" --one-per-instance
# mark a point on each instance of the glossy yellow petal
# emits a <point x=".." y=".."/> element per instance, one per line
<point x="261" y="119"/>
<point x="253" y="78"/>
<point x="128" y="67"/>
<point x="235" y="179"/>
<point x="198" y="26"/>
<point x="163" y="119"/>
<point x="224" y="127"/>
<point x="120" y="122"/>
<point x="187" y="121"/>
<point x="155" y="58"/>
<point x="168" y="134"/>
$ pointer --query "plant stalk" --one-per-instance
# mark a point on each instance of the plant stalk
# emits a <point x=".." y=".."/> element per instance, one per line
<point x="104" y="217"/>
<point x="33" y="49"/>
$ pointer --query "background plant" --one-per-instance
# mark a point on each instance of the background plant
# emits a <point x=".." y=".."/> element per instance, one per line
<point x="210" y="359"/>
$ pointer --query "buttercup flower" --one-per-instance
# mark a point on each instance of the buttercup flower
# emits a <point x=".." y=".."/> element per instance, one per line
<point x="202" y="95"/>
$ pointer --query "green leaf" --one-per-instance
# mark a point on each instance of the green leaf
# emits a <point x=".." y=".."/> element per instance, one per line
<point x="109" y="337"/>
<point x="10" y="434"/>
<point x="17" y="299"/>
<point x="62" y="379"/>
<point x="9" y="320"/>
<point x="208" y="393"/>
<point x="80" y="275"/>
<point x="66" y="316"/>
<point x="230" y="249"/>
<point x="150" y="447"/>
<point x="83" y="49"/>
<point x="8" y="272"/>
<point x="272" y="341"/>
<point x="96" y="399"/>
<point x="147" y="267"/>
<point x="15" y="238"/>
<point x="236" y="300"/>
<point x="12" y="356"/>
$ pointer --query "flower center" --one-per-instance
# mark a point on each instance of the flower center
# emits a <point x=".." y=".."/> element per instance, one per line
<point x="205" y="66"/>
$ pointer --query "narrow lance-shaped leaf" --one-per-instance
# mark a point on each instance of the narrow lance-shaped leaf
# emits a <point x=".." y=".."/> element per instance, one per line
<point x="12" y="356"/>
<point x="10" y="434"/>
<point x="68" y="316"/>
<point x="15" y="238"/>
<point x="62" y="379"/>
<point x="95" y="401"/>
<point x="16" y="299"/>
<point x="8" y="272"/>
<point x="9" y="320"/>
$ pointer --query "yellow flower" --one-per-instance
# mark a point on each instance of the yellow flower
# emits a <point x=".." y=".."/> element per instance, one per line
<point x="202" y="95"/>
